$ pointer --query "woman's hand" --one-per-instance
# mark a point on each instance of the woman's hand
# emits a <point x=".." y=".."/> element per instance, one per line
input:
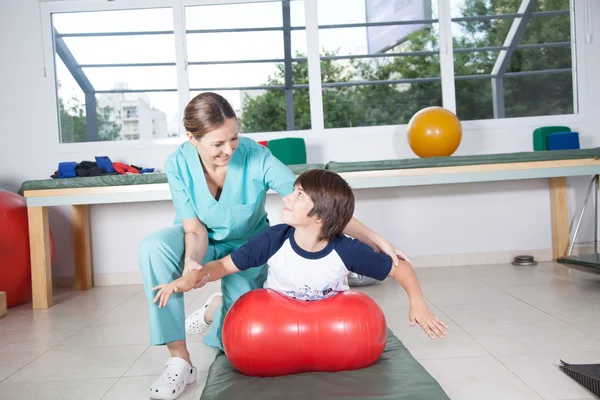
<point x="420" y="314"/>
<point x="183" y="284"/>
<point x="191" y="265"/>
<point x="359" y="231"/>
<point x="386" y="247"/>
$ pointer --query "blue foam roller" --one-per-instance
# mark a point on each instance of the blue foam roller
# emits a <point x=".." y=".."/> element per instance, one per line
<point x="563" y="141"/>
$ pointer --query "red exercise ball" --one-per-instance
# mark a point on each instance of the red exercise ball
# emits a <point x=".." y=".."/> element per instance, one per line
<point x="15" y="264"/>
<point x="269" y="334"/>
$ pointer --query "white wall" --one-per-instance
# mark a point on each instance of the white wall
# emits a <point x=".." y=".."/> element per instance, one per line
<point x="433" y="222"/>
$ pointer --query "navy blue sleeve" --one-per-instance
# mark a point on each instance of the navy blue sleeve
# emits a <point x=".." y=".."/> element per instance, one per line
<point x="363" y="260"/>
<point x="260" y="248"/>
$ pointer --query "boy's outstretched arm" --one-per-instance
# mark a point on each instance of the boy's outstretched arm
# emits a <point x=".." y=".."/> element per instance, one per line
<point x="210" y="272"/>
<point x="219" y="268"/>
<point x="419" y="313"/>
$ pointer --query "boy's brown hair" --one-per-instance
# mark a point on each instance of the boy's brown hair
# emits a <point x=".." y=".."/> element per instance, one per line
<point x="333" y="198"/>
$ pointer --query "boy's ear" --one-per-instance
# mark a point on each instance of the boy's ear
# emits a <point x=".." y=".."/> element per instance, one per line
<point x="317" y="218"/>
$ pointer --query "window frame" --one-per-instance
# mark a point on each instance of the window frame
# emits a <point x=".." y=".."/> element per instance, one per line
<point x="48" y="7"/>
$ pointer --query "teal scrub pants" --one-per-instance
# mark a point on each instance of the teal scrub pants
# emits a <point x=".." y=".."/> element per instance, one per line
<point x="161" y="257"/>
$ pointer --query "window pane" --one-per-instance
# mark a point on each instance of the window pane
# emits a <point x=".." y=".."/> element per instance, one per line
<point x="122" y="49"/>
<point x="229" y="46"/>
<point x="148" y="20"/>
<point x="378" y="104"/>
<point x="299" y="48"/>
<point x="134" y="78"/>
<point x="411" y="66"/>
<point x="333" y="12"/>
<point x="234" y="75"/>
<point x="234" y="16"/>
<point x="119" y="116"/>
<point x="106" y="100"/>
<point x="141" y="115"/>
<point x="297" y="13"/>
<point x="543" y="53"/>
<point x="263" y="110"/>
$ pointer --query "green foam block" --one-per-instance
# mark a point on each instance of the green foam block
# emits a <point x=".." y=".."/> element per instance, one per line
<point x="540" y="136"/>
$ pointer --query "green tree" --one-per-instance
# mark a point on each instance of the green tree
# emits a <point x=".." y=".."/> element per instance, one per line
<point x="543" y="94"/>
<point x="369" y="105"/>
<point x="73" y="122"/>
<point x="267" y="113"/>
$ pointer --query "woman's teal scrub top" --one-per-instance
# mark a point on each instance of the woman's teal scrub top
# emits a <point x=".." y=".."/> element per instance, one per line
<point x="240" y="211"/>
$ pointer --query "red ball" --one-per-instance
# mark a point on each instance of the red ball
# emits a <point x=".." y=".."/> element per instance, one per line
<point x="15" y="268"/>
<point x="269" y="334"/>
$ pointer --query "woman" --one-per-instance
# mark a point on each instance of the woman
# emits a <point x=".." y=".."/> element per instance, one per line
<point x="218" y="183"/>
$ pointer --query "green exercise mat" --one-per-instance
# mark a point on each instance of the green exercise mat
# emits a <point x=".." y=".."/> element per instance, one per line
<point x="395" y="376"/>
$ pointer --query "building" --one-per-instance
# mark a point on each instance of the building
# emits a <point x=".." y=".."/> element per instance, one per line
<point x="134" y="115"/>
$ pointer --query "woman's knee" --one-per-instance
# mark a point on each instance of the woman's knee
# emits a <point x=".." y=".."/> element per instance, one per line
<point x="165" y="245"/>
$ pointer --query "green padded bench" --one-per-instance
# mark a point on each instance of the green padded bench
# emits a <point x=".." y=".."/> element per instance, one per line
<point x="111" y="189"/>
<point x="339" y="167"/>
<point x="459" y="161"/>
<point x="121" y="180"/>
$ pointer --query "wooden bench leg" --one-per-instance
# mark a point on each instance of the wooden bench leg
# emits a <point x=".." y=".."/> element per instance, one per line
<point x="83" y="247"/>
<point x="39" y="249"/>
<point x="559" y="210"/>
<point x="3" y="307"/>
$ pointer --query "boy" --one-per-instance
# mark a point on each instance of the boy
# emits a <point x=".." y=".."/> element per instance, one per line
<point x="308" y="255"/>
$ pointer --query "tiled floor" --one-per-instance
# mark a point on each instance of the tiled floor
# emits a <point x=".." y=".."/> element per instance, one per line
<point x="509" y="327"/>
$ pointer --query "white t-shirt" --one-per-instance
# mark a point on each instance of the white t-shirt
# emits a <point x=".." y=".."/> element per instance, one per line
<point x="309" y="275"/>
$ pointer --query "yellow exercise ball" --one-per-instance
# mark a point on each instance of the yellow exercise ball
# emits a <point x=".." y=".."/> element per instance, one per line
<point x="434" y="132"/>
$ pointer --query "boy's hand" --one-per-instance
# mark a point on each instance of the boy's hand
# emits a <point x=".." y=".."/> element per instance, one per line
<point x="182" y="284"/>
<point x="420" y="314"/>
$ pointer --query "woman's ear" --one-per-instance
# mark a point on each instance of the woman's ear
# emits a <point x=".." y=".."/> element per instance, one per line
<point x="192" y="139"/>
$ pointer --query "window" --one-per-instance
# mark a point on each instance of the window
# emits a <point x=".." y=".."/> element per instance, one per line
<point x="512" y="60"/>
<point x="380" y="62"/>
<point x="376" y="72"/>
<point x="253" y="54"/>
<point x="108" y="61"/>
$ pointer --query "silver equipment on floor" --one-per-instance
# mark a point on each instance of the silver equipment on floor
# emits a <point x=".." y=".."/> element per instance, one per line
<point x="355" y="280"/>
<point x="524" y="260"/>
